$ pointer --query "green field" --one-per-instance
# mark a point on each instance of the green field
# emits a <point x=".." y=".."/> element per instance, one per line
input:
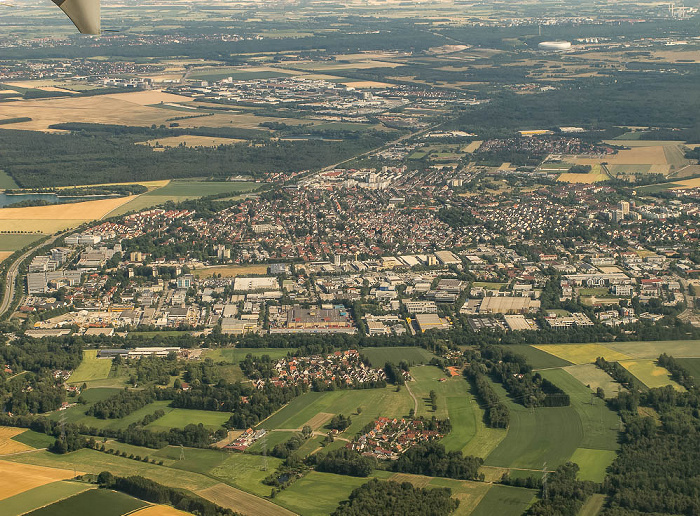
<point x="594" y="377"/>
<point x="97" y="502"/>
<point x="318" y="493"/>
<point x="380" y="356"/>
<point x="593" y="505"/>
<point x="246" y="472"/>
<point x="196" y="460"/>
<point x="40" y="496"/>
<point x="179" y="418"/>
<point x="593" y="463"/>
<point x="34" y="439"/>
<point x="236" y="355"/>
<point x="177" y="191"/>
<point x="16" y="242"/>
<point x="651" y="350"/>
<point x="272" y="439"/>
<point x="505" y="501"/>
<point x="536" y="358"/>
<point x="692" y="365"/>
<point x="77" y="415"/>
<point x="6" y="182"/>
<point x="91" y="368"/>
<point x="374" y="403"/>
<point x="535" y="436"/>
<point x="650" y="374"/>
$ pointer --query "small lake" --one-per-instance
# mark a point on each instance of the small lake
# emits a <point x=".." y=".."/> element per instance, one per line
<point x="6" y="200"/>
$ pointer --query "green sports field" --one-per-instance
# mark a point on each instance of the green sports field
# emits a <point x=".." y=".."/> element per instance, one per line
<point x="93" y="502"/>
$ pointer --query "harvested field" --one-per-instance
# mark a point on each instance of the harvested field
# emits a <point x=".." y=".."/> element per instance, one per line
<point x="56" y="217"/>
<point x="366" y="84"/>
<point x="159" y="510"/>
<point x="416" y="480"/>
<point x="240" y="501"/>
<point x="7" y="444"/>
<point x="18" y="478"/>
<point x="472" y="146"/>
<point x="593" y="377"/>
<point x="319" y="420"/>
<point x="4" y="255"/>
<point x="582" y="353"/>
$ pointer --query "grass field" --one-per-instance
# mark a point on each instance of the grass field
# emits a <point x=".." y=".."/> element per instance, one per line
<point x="505" y="501"/>
<point x="318" y="493"/>
<point x="235" y="355"/>
<point x="651" y="375"/>
<point x="179" y="418"/>
<point x="468" y="493"/>
<point x="593" y="463"/>
<point x="536" y="358"/>
<point x="40" y="496"/>
<point x="34" y="439"/>
<point x="18" y="478"/>
<point x="10" y="445"/>
<point x="380" y="356"/>
<point x="582" y="353"/>
<point x="100" y="502"/>
<point x="240" y="501"/>
<point x="692" y="365"/>
<point x="230" y="271"/>
<point x="374" y="403"/>
<point x="244" y="471"/>
<point x="594" y="377"/>
<point x="6" y="182"/>
<point x="15" y="242"/>
<point x="77" y="415"/>
<point x="652" y="350"/>
<point x="91" y="368"/>
<point x="593" y="505"/>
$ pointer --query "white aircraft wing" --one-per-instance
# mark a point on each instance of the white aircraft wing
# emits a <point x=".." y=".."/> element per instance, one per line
<point x="85" y="14"/>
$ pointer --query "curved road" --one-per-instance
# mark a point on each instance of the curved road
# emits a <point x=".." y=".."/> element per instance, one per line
<point x="9" y="294"/>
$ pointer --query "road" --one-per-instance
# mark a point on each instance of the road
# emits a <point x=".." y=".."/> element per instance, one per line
<point x="9" y="294"/>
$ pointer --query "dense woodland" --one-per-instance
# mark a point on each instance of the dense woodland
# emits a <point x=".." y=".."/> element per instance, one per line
<point x="381" y="498"/>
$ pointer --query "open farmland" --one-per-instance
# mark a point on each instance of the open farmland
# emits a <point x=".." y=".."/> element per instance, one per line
<point x="179" y="418"/>
<point x="652" y="350"/>
<point x="159" y="510"/>
<point x="18" y="478"/>
<point x="91" y="368"/>
<point x="245" y="471"/>
<point x="57" y="217"/>
<point x="651" y="375"/>
<point x="582" y="353"/>
<point x="505" y="501"/>
<point x="240" y="501"/>
<point x="537" y="358"/>
<point x="40" y="496"/>
<point x="7" y="444"/>
<point x="692" y="365"/>
<point x="110" y="503"/>
<point x="593" y="376"/>
<point x="4" y="255"/>
<point x="190" y="140"/>
<point x="318" y="493"/>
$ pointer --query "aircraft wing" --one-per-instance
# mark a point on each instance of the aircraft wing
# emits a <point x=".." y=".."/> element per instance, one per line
<point x="85" y="14"/>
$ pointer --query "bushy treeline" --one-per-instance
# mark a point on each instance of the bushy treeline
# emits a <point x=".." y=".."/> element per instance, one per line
<point x="527" y="388"/>
<point x="432" y="460"/>
<point x="121" y="404"/>
<point x="620" y="374"/>
<point x="343" y="461"/>
<point x="49" y="353"/>
<point x="496" y="412"/>
<point x="146" y="489"/>
<point x="679" y="373"/>
<point x="382" y="498"/>
<point x="564" y="495"/>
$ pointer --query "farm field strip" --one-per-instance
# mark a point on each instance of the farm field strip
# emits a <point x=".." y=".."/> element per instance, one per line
<point x="40" y="496"/>
<point x="110" y="503"/>
<point x="380" y="356"/>
<point x="91" y="368"/>
<point x="591" y="375"/>
<point x="504" y="501"/>
<point x="17" y="478"/>
<point x="582" y="353"/>
<point x="7" y="444"/>
<point x="652" y="350"/>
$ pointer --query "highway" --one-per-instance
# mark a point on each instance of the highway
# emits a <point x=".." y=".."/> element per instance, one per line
<point x="9" y="293"/>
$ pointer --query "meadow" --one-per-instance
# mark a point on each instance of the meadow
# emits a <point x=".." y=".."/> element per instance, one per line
<point x="505" y="501"/>
<point x="651" y="375"/>
<point x="91" y="368"/>
<point x="582" y="353"/>
<point x="179" y="418"/>
<point x="692" y="365"/>
<point x="537" y="358"/>
<point x="380" y="356"/>
<point x="594" y="377"/>
<point x="8" y="443"/>
<point x="40" y="496"/>
<point x="18" y="478"/>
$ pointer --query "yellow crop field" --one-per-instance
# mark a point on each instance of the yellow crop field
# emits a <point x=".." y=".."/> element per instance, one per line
<point x="17" y="478"/>
<point x="151" y="185"/>
<point x="366" y="84"/>
<point x="57" y="217"/>
<point x="230" y="271"/>
<point x="159" y="510"/>
<point x="7" y="445"/>
<point x="190" y="140"/>
<point x="651" y="375"/>
<point x="582" y="353"/>
<point x="319" y="420"/>
<point x="582" y="178"/>
<point x="4" y="255"/>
